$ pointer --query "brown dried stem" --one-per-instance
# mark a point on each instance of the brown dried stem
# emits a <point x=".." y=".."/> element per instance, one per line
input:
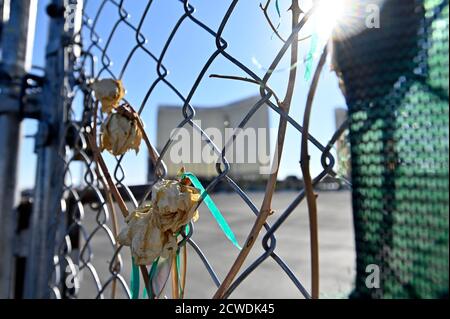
<point x="92" y="141"/>
<point x="244" y="79"/>
<point x="152" y="151"/>
<point x="109" y="201"/>
<point x="270" y="188"/>
<point x="175" y="284"/>
<point x="115" y="229"/>
<point x="113" y="188"/>
<point x="130" y="112"/>
<point x="183" y="274"/>
<point x="272" y="26"/>
<point x="309" y="189"/>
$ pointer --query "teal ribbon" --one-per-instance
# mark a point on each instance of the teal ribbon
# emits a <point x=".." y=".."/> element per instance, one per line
<point x="277" y="6"/>
<point x="180" y="288"/>
<point x="151" y="275"/>
<point x="213" y="209"/>
<point x="310" y="56"/>
<point x="135" y="281"/>
<point x="135" y="277"/>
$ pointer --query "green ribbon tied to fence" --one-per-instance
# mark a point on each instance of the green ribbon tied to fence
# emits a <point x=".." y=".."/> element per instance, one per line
<point x="215" y="212"/>
<point x="213" y="209"/>
<point x="135" y="282"/>
<point x="309" y="59"/>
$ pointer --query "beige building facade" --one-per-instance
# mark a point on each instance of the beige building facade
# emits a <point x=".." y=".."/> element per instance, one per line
<point x="247" y="156"/>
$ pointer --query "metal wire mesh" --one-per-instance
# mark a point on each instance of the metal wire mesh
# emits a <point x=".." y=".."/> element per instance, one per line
<point x="75" y="249"/>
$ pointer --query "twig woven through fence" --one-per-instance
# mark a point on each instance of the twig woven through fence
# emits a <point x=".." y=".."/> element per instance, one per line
<point x="75" y="250"/>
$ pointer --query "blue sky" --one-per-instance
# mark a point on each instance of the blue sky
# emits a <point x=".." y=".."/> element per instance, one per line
<point x="250" y="40"/>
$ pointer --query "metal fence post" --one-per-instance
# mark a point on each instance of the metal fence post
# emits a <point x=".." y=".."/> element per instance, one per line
<point x="17" y="32"/>
<point x="50" y="148"/>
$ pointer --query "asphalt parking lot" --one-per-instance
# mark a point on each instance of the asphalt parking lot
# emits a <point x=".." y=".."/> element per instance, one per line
<point x="336" y="240"/>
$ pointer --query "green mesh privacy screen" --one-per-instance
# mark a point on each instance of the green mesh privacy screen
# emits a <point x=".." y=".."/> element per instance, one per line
<point x="397" y="91"/>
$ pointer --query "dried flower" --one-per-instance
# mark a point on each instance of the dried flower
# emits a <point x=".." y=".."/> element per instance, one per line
<point x="151" y="230"/>
<point x="109" y="92"/>
<point x="145" y="237"/>
<point x="120" y="133"/>
<point x="174" y="202"/>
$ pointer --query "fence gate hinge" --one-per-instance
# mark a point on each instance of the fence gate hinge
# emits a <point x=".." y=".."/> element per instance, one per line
<point x="26" y="100"/>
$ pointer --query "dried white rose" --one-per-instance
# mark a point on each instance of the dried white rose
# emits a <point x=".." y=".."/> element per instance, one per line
<point x="174" y="202"/>
<point x="146" y="239"/>
<point x="151" y="230"/>
<point x="119" y="134"/>
<point x="109" y="92"/>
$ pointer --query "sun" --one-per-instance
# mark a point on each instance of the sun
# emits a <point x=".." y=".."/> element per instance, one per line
<point x="344" y="18"/>
<point x="327" y="15"/>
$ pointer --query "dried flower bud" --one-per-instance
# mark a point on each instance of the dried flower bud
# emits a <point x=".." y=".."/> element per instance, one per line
<point x="120" y="133"/>
<point x="175" y="203"/>
<point x="151" y="230"/>
<point x="109" y="92"/>
<point x="146" y="239"/>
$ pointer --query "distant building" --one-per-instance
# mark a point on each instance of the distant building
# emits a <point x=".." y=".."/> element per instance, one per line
<point x="218" y="122"/>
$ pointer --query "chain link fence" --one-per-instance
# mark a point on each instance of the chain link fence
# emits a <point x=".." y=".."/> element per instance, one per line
<point x="71" y="213"/>
<point x="73" y="252"/>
